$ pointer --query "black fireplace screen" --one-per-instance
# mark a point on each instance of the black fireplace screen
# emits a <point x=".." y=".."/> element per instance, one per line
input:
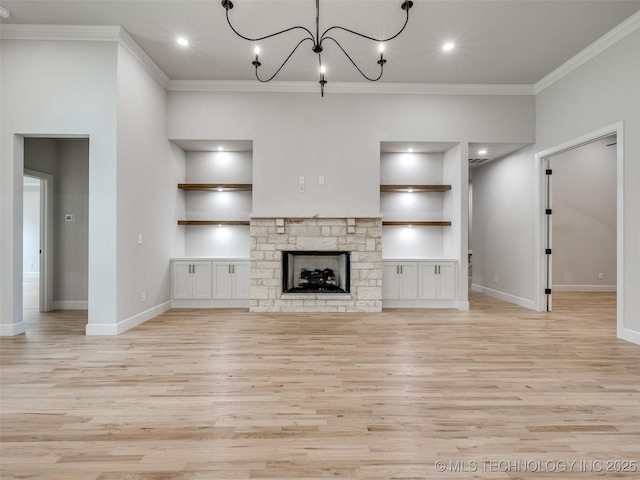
<point x="315" y="272"/>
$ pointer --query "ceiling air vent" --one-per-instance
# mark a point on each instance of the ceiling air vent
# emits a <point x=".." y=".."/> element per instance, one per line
<point x="478" y="161"/>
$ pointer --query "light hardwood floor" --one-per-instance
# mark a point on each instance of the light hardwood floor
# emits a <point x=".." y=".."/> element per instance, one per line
<point x="224" y="394"/>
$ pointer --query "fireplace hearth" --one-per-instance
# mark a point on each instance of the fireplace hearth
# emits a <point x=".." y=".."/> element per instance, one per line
<point x="315" y="272"/>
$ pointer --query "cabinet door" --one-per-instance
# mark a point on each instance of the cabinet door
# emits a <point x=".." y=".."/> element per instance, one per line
<point x="222" y="286"/>
<point x="182" y="283"/>
<point x="408" y="281"/>
<point x="447" y="281"/>
<point x="201" y="274"/>
<point x="241" y="280"/>
<point x="390" y="274"/>
<point x="428" y="281"/>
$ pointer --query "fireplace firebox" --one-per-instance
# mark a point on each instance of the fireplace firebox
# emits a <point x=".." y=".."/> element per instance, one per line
<point x="315" y="272"/>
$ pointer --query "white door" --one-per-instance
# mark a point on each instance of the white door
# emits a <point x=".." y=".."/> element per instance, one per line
<point x="428" y="281"/>
<point x="241" y="280"/>
<point x="222" y="286"/>
<point x="446" y="281"/>
<point x="408" y="287"/>
<point x="390" y="274"/>
<point x="201" y="273"/>
<point x="182" y="282"/>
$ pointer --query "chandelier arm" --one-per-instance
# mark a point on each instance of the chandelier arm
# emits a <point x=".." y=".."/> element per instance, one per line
<point x="283" y="63"/>
<point x="354" y="63"/>
<point x="267" y="36"/>
<point x="381" y="40"/>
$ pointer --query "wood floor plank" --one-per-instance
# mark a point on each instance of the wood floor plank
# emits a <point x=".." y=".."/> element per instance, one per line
<point x="225" y="394"/>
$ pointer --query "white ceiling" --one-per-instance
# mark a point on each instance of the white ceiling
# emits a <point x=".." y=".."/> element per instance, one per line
<point x="498" y="42"/>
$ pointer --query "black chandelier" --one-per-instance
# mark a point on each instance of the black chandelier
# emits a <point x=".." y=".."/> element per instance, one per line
<point x="317" y="41"/>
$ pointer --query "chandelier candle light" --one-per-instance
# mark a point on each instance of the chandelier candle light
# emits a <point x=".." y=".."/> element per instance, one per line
<point x="317" y="40"/>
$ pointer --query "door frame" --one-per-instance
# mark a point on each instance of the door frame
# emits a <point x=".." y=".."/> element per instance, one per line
<point x="542" y="231"/>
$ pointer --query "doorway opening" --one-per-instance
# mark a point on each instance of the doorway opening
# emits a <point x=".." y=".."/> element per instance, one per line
<point x="581" y="217"/>
<point x="55" y="225"/>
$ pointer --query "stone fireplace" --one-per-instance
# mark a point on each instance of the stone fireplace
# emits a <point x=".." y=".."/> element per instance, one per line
<point x="333" y="241"/>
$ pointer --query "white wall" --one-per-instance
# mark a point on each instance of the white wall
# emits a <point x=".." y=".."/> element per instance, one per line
<point x="338" y="137"/>
<point x="148" y="172"/>
<point x="599" y="94"/>
<point x="406" y="169"/>
<point x="584" y="218"/>
<point x="504" y="229"/>
<point x="61" y="88"/>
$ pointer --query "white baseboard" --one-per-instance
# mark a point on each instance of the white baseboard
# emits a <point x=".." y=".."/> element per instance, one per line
<point x="69" y="305"/>
<point x="464" y="306"/>
<point x="585" y="288"/>
<point x="123" y="326"/>
<point x="11" y="329"/>
<point x="507" y="297"/>
<point x="629" y="335"/>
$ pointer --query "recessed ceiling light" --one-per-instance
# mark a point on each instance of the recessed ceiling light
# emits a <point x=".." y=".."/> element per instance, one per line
<point x="482" y="152"/>
<point x="448" y="46"/>
<point x="410" y="150"/>
<point x="182" y="41"/>
<point x="220" y="149"/>
<point x="4" y="13"/>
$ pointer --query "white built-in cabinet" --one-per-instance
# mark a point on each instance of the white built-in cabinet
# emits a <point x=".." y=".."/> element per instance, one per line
<point x="214" y="283"/>
<point x="191" y="280"/>
<point x="418" y="284"/>
<point x="399" y="280"/>
<point x="437" y="280"/>
<point x="231" y="280"/>
<point x="419" y="195"/>
<point x="217" y="194"/>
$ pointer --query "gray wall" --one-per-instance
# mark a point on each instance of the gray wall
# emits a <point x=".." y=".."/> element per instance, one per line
<point x="584" y="218"/>
<point x="503" y="228"/>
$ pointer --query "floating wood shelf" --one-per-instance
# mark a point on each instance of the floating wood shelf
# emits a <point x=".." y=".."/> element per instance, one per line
<point x="212" y="222"/>
<point x="414" y="188"/>
<point x="416" y="224"/>
<point x="224" y="187"/>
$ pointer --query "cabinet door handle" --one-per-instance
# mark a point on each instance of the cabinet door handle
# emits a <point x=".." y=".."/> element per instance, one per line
<point x="189" y="268"/>
<point x="435" y="269"/>
<point x="233" y="269"/>
<point x="438" y="269"/>
<point x="194" y="269"/>
<point x="401" y="270"/>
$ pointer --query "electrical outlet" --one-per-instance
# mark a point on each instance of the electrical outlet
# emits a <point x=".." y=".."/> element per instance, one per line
<point x="140" y="239"/>
<point x="601" y="276"/>
<point x="301" y="189"/>
<point x="495" y="279"/>
<point x="321" y="180"/>
<point x="143" y="297"/>
<point x="301" y="180"/>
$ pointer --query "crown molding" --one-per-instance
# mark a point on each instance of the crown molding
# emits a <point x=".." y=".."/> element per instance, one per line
<point x="102" y="33"/>
<point x="141" y="56"/>
<point x="627" y="27"/>
<point x="348" y="87"/>
<point x="95" y="33"/>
